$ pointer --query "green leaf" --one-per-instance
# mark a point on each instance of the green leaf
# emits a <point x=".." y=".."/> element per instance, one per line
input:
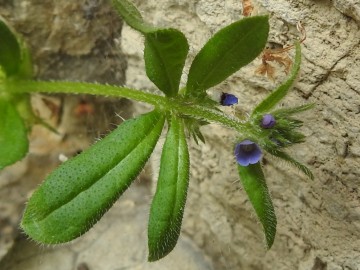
<point x="285" y="112"/>
<point x="165" y="49"/>
<point x="131" y="15"/>
<point x="198" y="135"/>
<point x="253" y="180"/>
<point x="226" y="52"/>
<point x="193" y="126"/>
<point x="292" y="161"/>
<point x="22" y="102"/>
<point x="167" y="207"/>
<point x="278" y="94"/>
<point x="79" y="192"/>
<point x="10" y="53"/>
<point x="13" y="135"/>
<point x="165" y="54"/>
<point x="25" y="70"/>
<point x="14" y="55"/>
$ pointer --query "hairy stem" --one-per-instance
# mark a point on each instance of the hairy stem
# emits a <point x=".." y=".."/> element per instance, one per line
<point x="178" y="106"/>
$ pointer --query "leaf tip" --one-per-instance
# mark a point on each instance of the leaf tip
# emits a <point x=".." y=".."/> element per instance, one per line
<point x="156" y="254"/>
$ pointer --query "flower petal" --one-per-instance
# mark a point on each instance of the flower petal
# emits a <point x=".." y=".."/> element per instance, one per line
<point x="255" y="155"/>
<point x="228" y="99"/>
<point x="241" y="158"/>
<point x="247" y="152"/>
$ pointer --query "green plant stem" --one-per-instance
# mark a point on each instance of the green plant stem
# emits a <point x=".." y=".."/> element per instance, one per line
<point x="83" y="88"/>
<point x="175" y="105"/>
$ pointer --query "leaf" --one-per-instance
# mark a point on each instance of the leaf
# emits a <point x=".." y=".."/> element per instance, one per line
<point x="193" y="126"/>
<point x="285" y="112"/>
<point x="253" y="180"/>
<point x="165" y="54"/>
<point x="75" y="196"/>
<point x="22" y="101"/>
<point x="13" y="135"/>
<point x="165" y="49"/>
<point x="131" y="16"/>
<point x="14" y="55"/>
<point x="25" y="70"/>
<point x="167" y="207"/>
<point x="197" y="134"/>
<point x="278" y="94"/>
<point x="10" y="53"/>
<point x="292" y="161"/>
<point x="226" y="52"/>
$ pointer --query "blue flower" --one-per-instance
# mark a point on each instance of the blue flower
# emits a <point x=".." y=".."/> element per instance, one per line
<point x="268" y="121"/>
<point x="247" y="152"/>
<point x="228" y="99"/>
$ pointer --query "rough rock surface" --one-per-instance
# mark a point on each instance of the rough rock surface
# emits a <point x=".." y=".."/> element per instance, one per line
<point x="77" y="41"/>
<point x="63" y="47"/>
<point x="318" y="221"/>
<point x="350" y="8"/>
<point x="117" y="242"/>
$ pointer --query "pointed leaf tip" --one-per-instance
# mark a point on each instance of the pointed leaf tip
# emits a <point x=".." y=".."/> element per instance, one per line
<point x="10" y="53"/>
<point x="167" y="207"/>
<point x="15" y="57"/>
<point x="131" y="15"/>
<point x="294" y="162"/>
<point x="253" y="180"/>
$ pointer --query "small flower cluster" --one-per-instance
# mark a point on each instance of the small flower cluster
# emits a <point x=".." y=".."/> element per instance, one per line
<point x="279" y="130"/>
<point x="247" y="152"/>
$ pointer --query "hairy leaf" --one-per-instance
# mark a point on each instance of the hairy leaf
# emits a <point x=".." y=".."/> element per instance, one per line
<point x="165" y="49"/>
<point x="168" y="204"/>
<point x="10" y="53"/>
<point x="14" y="55"/>
<point x="131" y="15"/>
<point x="79" y="192"/>
<point x="278" y="94"/>
<point x="13" y="134"/>
<point x="285" y="112"/>
<point x="226" y="52"/>
<point x="165" y="54"/>
<point x="294" y="162"/>
<point x="253" y="180"/>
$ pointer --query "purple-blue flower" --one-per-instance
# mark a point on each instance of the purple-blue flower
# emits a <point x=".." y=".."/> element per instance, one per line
<point x="268" y="121"/>
<point x="228" y="99"/>
<point x="247" y="152"/>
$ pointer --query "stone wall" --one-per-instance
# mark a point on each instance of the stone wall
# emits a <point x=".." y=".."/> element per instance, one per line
<point x="318" y="221"/>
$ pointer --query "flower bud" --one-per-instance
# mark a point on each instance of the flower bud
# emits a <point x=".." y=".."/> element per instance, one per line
<point x="228" y="99"/>
<point x="268" y="121"/>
